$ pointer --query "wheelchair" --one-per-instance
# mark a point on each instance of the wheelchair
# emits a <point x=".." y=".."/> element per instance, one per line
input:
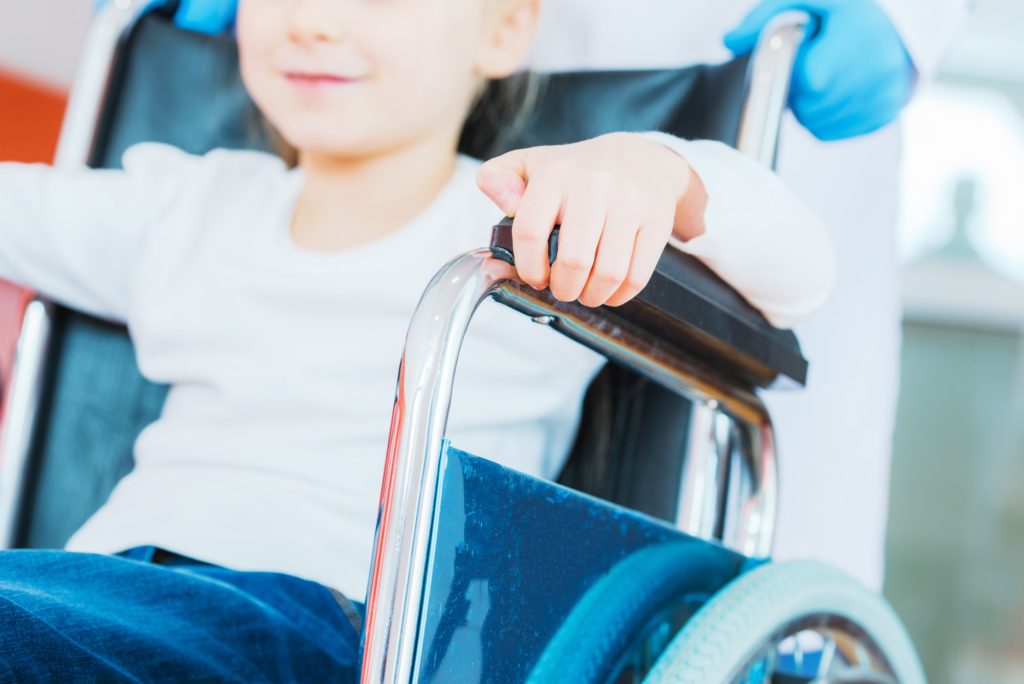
<point x="647" y="561"/>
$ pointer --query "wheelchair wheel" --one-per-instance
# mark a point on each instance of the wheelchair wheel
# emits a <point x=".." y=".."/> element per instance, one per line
<point x="617" y="630"/>
<point x="752" y="632"/>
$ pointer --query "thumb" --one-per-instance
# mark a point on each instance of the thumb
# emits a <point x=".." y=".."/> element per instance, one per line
<point x="504" y="179"/>
<point x="742" y="39"/>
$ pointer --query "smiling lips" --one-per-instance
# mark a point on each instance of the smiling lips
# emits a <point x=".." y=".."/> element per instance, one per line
<point x="319" y="81"/>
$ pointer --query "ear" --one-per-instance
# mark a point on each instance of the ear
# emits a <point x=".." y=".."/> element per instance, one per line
<point x="507" y="37"/>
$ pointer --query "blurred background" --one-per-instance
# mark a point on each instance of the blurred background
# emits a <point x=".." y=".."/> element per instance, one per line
<point x="956" y="530"/>
<point x="955" y="556"/>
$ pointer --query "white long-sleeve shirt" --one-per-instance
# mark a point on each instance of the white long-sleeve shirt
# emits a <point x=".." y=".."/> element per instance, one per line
<point x="281" y="361"/>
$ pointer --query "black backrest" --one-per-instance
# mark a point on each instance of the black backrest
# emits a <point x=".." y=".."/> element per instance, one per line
<point x="692" y="102"/>
<point x="184" y="89"/>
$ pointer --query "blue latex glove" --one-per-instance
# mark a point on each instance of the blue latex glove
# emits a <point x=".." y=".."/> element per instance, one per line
<point x="852" y="76"/>
<point x="202" y="16"/>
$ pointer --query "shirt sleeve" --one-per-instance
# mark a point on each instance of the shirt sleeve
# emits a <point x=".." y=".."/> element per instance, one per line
<point x="758" y="237"/>
<point x="75" y="236"/>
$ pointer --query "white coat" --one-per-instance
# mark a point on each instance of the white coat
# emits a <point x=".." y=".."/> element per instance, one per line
<point x="835" y="437"/>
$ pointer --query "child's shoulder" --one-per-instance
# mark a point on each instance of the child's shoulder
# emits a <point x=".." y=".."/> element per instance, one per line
<point x="217" y="195"/>
<point x="162" y="160"/>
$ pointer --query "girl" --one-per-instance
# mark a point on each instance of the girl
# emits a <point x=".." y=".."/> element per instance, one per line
<point x="275" y="301"/>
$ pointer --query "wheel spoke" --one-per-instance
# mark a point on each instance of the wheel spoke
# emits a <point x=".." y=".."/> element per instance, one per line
<point x="798" y="653"/>
<point x="828" y="655"/>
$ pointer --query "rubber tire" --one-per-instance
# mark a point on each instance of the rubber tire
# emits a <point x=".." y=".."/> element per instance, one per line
<point x="602" y="625"/>
<point x="729" y="630"/>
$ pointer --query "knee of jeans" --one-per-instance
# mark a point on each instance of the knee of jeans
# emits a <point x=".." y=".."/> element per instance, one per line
<point x="22" y="634"/>
<point x="38" y="642"/>
<point x="20" y="613"/>
<point x="22" y="566"/>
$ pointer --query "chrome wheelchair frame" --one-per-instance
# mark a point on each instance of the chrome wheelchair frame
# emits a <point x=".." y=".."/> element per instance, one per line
<point x="736" y="508"/>
<point x="427" y="374"/>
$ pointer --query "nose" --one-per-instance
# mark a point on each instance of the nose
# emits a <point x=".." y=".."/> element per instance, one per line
<point x="315" y="21"/>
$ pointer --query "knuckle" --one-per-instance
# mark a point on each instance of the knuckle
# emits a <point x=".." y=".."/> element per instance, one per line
<point x="631" y="195"/>
<point x="529" y="233"/>
<point x="574" y="264"/>
<point x="601" y="179"/>
<point x="609" y="277"/>
<point x="552" y="167"/>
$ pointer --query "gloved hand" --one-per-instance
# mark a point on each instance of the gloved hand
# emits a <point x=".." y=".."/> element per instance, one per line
<point x="202" y="16"/>
<point x="853" y="74"/>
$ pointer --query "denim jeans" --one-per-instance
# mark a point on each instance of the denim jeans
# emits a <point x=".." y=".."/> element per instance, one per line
<point x="151" y="616"/>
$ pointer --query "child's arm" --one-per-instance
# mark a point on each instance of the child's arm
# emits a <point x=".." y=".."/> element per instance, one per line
<point x="620" y="198"/>
<point x="76" y="236"/>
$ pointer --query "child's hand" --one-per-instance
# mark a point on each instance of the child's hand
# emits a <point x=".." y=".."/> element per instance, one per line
<point x="618" y="198"/>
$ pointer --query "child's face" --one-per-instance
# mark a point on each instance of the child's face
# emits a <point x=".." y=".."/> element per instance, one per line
<point x="356" y="78"/>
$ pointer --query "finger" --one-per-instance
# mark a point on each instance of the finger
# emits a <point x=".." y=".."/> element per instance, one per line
<point x="582" y="223"/>
<point x="536" y="217"/>
<point x="611" y="267"/>
<point x="647" y="251"/>
<point x="503" y="179"/>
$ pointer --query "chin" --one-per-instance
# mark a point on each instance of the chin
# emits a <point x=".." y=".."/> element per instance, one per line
<point x="334" y="139"/>
<point x="326" y="147"/>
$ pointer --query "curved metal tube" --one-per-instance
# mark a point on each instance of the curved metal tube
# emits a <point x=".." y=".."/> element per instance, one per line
<point x="754" y="531"/>
<point x="718" y="405"/>
<point x="768" y="78"/>
<point x="749" y="524"/>
<point x="20" y="414"/>
<point x="93" y="81"/>
<point x="420" y="415"/>
<point x="75" y="149"/>
<point x="702" y="483"/>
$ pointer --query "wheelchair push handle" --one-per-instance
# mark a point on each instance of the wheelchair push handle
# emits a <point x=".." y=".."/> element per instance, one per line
<point x="501" y="242"/>
<point x="767" y="85"/>
<point x="685" y="304"/>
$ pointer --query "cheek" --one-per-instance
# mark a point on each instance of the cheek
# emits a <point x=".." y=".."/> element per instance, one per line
<point x="428" y="67"/>
<point x="255" y="50"/>
<point x="254" y="79"/>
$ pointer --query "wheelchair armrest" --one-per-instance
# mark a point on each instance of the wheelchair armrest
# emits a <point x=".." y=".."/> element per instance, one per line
<point x="690" y="308"/>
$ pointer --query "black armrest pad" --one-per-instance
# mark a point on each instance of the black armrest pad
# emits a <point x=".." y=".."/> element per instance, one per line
<point x="689" y="307"/>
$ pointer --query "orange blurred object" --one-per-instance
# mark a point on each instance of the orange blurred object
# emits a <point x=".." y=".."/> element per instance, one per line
<point x="30" y="119"/>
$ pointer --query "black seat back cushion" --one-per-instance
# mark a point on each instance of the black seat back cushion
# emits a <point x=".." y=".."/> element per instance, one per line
<point x="184" y="89"/>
